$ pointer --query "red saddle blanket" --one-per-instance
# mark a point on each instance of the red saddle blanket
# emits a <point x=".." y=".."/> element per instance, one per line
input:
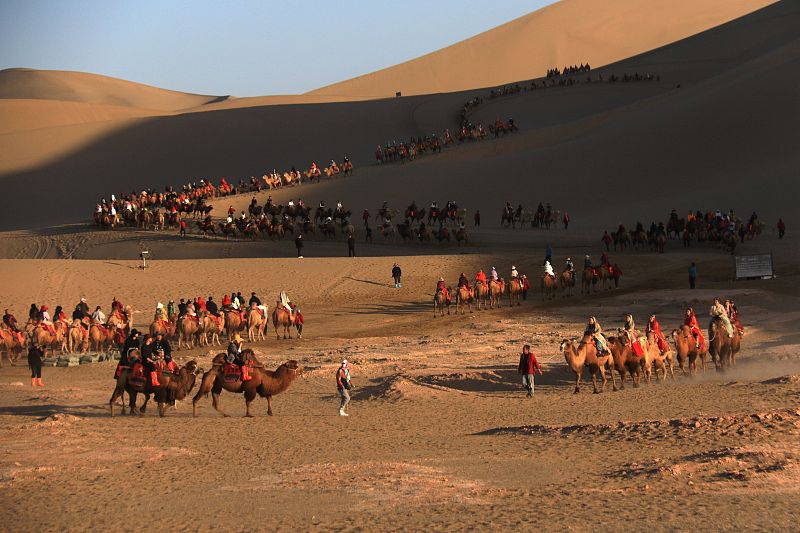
<point x="637" y="348"/>
<point x="137" y="375"/>
<point x="231" y="373"/>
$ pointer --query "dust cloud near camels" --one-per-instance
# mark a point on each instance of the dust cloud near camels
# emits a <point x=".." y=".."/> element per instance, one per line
<point x="608" y="115"/>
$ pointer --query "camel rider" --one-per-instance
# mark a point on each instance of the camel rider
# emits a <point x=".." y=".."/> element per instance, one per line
<point x="480" y="277"/>
<point x="463" y="281"/>
<point x="314" y="167"/>
<point x="131" y="343"/>
<point x="587" y="262"/>
<point x="98" y="317"/>
<point x="733" y="315"/>
<point x="162" y="344"/>
<point x="569" y="266"/>
<point x="10" y="321"/>
<point x="339" y="206"/>
<point x="150" y="358"/>
<point x="434" y="206"/>
<point x="285" y="302"/>
<point x="494" y="275"/>
<point x="34" y="315"/>
<point x="596" y="332"/>
<point x="691" y="320"/>
<point x="385" y="205"/>
<point x="159" y="316"/>
<point x="322" y="204"/>
<point x="718" y="310"/>
<point x="46" y="321"/>
<point x="548" y="270"/>
<point x="441" y="286"/>
<point x="234" y="356"/>
<point x="514" y="273"/>
<point x="629" y="328"/>
<point x="604" y="261"/>
<point x="190" y="310"/>
<point x="81" y="310"/>
<point x="211" y="306"/>
<point x="655" y="328"/>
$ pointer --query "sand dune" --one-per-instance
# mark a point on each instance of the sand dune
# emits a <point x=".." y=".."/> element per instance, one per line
<point x="22" y="83"/>
<point x="566" y="33"/>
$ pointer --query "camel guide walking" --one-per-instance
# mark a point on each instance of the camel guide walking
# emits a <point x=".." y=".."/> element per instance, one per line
<point x="396" y="273"/>
<point x="528" y="365"/>
<point x="35" y="355"/>
<point x="343" y="385"/>
<point x="298" y="243"/>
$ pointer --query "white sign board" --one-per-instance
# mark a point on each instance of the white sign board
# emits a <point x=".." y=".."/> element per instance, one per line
<point x="754" y="266"/>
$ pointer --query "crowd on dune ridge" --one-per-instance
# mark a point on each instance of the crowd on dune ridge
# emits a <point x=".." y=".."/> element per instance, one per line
<point x="143" y="209"/>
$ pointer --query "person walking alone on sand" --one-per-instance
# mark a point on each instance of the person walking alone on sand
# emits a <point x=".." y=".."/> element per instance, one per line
<point x="343" y="385"/>
<point x="298" y="243"/>
<point x="528" y="365"/>
<point x="396" y="273"/>
<point x="351" y="245"/>
<point x="692" y="275"/>
<point x="35" y="355"/>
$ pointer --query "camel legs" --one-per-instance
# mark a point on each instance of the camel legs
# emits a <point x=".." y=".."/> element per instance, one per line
<point x="269" y="404"/>
<point x="249" y="396"/>
<point x="613" y="379"/>
<point x="578" y="381"/>
<point x="205" y="387"/>
<point x="114" y="396"/>
<point x="215" y="401"/>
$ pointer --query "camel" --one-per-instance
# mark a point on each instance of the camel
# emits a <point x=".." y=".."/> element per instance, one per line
<point x="256" y="324"/>
<point x="606" y="275"/>
<point x="77" y="342"/>
<point x="625" y="360"/>
<point x="264" y="383"/>
<point x="188" y="328"/>
<point x="586" y="355"/>
<point x="44" y="338"/>
<point x="567" y="282"/>
<point x="101" y="337"/>
<point x="233" y="322"/>
<point x="440" y="302"/>
<point x="463" y="297"/>
<point x="656" y="359"/>
<point x="514" y="291"/>
<point x="171" y="387"/>
<point x="282" y="317"/>
<point x="722" y="347"/>
<point x="209" y="325"/>
<point x="165" y="327"/>
<point x="481" y="294"/>
<point x="687" y="351"/>
<point x="589" y="280"/>
<point x="495" y="292"/>
<point x="13" y="343"/>
<point x="549" y="286"/>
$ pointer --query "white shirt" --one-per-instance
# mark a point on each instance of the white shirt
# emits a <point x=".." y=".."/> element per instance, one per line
<point x="98" y="316"/>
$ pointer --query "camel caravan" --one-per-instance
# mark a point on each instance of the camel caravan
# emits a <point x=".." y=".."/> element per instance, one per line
<point x="723" y="230"/>
<point x="542" y="218"/>
<point x="151" y="210"/>
<point x="443" y="225"/>
<point x="638" y="357"/>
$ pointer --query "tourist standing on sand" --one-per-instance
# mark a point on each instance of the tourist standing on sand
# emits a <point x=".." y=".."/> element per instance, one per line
<point x="692" y="275"/>
<point x="351" y="245"/>
<point x="477" y="219"/>
<point x="781" y="228"/>
<point x="528" y="365"/>
<point x="298" y="243"/>
<point x="396" y="273"/>
<point x="565" y="220"/>
<point x="343" y="385"/>
<point x="35" y="355"/>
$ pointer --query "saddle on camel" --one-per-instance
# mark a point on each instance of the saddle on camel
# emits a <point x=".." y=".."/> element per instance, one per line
<point x="441" y="286"/>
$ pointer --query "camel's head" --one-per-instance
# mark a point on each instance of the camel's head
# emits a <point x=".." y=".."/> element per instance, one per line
<point x="191" y="366"/>
<point x="293" y="367"/>
<point x="566" y="343"/>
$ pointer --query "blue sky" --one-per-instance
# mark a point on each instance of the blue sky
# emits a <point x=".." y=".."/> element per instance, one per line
<point x="244" y="47"/>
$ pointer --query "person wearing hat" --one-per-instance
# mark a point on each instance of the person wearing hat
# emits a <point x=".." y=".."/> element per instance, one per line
<point x="234" y="356"/>
<point x="441" y="286"/>
<point x="587" y="262"/>
<point x="163" y="344"/>
<point x="81" y="310"/>
<point x="298" y="322"/>
<point x="480" y="277"/>
<point x="569" y="266"/>
<point x="131" y="343"/>
<point x="343" y="386"/>
<point x="493" y="274"/>
<point x="396" y="273"/>
<point x="514" y="273"/>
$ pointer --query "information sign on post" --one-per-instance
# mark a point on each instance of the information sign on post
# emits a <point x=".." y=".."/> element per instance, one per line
<point x="754" y="266"/>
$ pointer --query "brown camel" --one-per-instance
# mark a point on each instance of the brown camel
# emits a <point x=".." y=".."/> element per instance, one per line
<point x="589" y="280"/>
<point x="256" y="324"/>
<point x="440" y="301"/>
<point x="463" y="297"/>
<point x="171" y="387"/>
<point x="234" y="323"/>
<point x="13" y="343"/>
<point x="282" y="317"/>
<point x="514" y="291"/>
<point x="496" y="289"/>
<point x="720" y="345"/>
<point x="101" y="337"/>
<point x="687" y="350"/>
<point x="44" y="338"/>
<point x="264" y="383"/>
<point x="657" y="360"/>
<point x="209" y="327"/>
<point x="625" y="360"/>
<point x="549" y="286"/>
<point x="585" y="354"/>
<point x="567" y="282"/>
<point x="187" y="330"/>
<point x="165" y="327"/>
<point x="481" y="294"/>
<point x="607" y="276"/>
<point x="77" y="342"/>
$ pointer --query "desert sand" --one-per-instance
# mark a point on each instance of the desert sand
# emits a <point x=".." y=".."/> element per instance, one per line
<point x="441" y="435"/>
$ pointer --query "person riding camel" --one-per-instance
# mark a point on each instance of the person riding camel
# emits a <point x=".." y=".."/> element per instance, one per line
<point x="150" y="359"/>
<point x="463" y="281"/>
<point x="548" y="270"/>
<point x="596" y="332"/>
<point x="60" y="316"/>
<point x="98" y="317"/>
<point x="46" y="321"/>
<point x="441" y="286"/>
<point x="226" y="301"/>
<point x="718" y="310"/>
<point x="480" y="277"/>
<point x="201" y="304"/>
<point x="655" y="328"/>
<point x="285" y="302"/>
<point x="234" y="356"/>
<point x="733" y="315"/>
<point x="587" y="262"/>
<point x="629" y="329"/>
<point x="691" y="320"/>
<point x="10" y="321"/>
<point x="81" y="309"/>
<point x="160" y="314"/>
<point x="493" y="274"/>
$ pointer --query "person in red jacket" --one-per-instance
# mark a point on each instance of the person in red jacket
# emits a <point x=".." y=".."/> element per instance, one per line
<point x="528" y="365"/>
<point x="654" y="327"/>
<point x="691" y="320"/>
<point x="298" y="322"/>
